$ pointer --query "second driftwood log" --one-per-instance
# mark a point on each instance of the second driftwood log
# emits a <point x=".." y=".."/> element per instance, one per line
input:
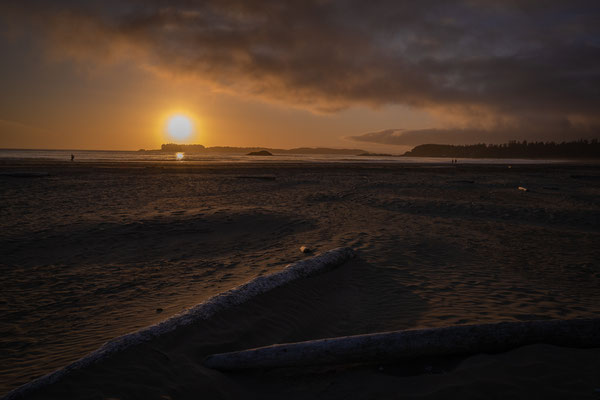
<point x="411" y="344"/>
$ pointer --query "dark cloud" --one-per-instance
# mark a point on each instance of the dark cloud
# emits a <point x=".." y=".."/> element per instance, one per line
<point x="404" y="137"/>
<point x="484" y="63"/>
<point x="412" y="137"/>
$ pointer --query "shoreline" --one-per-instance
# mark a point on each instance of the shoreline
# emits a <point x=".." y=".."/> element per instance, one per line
<point x="275" y="164"/>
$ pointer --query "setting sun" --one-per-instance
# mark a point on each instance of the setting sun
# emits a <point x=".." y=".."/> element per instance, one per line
<point x="180" y="127"/>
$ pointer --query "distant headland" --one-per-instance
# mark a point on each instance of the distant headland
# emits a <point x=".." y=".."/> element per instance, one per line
<point x="198" y="148"/>
<point x="581" y="149"/>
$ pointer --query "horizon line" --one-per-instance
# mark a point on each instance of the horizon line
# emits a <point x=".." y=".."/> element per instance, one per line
<point x="184" y="144"/>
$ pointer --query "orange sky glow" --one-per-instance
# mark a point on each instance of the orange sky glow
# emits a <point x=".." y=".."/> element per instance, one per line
<point x="108" y="75"/>
<point x="125" y="107"/>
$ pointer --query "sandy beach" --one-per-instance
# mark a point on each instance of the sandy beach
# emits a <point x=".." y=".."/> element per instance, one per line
<point x="92" y="251"/>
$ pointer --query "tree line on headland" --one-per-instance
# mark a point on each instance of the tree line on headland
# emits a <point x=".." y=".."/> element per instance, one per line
<point x="580" y="149"/>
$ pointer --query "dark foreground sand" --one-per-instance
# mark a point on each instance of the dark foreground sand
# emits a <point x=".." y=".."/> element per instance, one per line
<point x="93" y="250"/>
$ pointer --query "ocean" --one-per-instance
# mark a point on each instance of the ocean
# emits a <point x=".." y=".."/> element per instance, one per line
<point x="148" y="156"/>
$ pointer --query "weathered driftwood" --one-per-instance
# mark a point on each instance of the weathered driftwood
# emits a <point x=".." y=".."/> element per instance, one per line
<point x="410" y="344"/>
<point x="203" y="311"/>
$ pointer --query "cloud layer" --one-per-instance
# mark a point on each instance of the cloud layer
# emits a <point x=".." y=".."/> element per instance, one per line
<point x="558" y="132"/>
<point x="482" y="67"/>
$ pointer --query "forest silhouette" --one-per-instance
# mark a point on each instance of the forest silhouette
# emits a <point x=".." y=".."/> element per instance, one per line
<point x="580" y="149"/>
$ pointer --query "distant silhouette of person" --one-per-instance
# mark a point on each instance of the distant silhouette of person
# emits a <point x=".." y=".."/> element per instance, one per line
<point x="72" y="157"/>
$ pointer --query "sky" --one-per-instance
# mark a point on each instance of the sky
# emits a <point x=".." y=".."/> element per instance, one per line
<point x="378" y="75"/>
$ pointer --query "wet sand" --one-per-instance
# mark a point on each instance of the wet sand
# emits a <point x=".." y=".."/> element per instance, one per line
<point x="93" y="250"/>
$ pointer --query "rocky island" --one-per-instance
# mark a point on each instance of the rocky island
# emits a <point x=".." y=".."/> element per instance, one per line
<point x="259" y="153"/>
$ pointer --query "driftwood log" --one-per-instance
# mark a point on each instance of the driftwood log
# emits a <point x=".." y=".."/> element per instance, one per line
<point x="410" y="344"/>
<point x="203" y="311"/>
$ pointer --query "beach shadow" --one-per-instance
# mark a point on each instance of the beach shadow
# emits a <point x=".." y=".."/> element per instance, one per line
<point x="355" y="298"/>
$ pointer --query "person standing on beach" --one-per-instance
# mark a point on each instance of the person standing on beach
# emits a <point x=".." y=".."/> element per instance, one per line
<point x="72" y="157"/>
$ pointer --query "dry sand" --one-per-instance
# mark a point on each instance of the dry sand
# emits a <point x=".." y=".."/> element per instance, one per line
<point x="91" y="252"/>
